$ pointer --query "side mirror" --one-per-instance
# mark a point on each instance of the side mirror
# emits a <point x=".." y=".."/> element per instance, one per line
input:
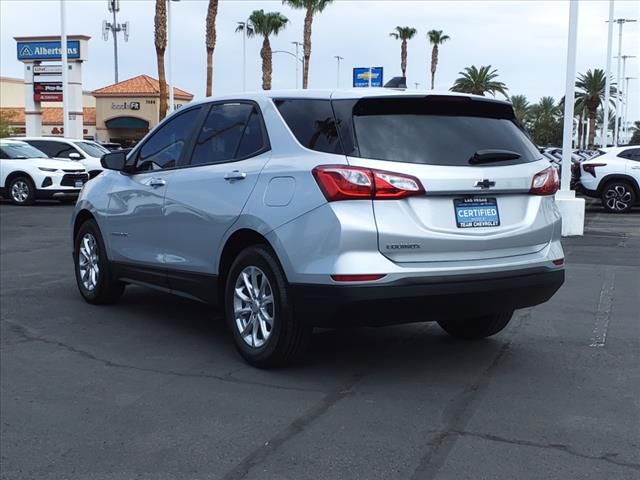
<point x="114" y="160"/>
<point x="75" y="156"/>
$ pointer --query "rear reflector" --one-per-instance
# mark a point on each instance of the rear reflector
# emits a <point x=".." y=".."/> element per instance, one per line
<point x="343" y="182"/>
<point x="357" y="278"/>
<point x="559" y="261"/>
<point x="545" y="182"/>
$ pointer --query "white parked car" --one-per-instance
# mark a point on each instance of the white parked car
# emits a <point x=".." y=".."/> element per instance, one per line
<point x="27" y="175"/>
<point x="614" y="177"/>
<point x="87" y="152"/>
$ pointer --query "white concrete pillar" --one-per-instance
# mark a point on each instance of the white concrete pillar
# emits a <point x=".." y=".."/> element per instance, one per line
<point x="32" y="109"/>
<point x="76" y="123"/>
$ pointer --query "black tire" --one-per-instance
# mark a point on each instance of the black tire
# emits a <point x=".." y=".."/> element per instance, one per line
<point x="287" y="337"/>
<point x="107" y="288"/>
<point x="618" y="196"/>
<point x="478" y="327"/>
<point x="18" y="187"/>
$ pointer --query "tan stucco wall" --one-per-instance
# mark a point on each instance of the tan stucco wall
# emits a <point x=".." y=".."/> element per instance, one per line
<point x="12" y="95"/>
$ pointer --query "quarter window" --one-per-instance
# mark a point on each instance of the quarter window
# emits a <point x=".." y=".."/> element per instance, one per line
<point x="231" y="131"/>
<point x="164" y="148"/>
<point x="631" y="154"/>
<point x="312" y="122"/>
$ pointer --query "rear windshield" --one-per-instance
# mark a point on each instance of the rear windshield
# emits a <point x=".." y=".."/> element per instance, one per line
<point x="436" y="131"/>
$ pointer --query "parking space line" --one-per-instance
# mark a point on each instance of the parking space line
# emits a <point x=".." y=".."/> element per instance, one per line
<point x="603" y="315"/>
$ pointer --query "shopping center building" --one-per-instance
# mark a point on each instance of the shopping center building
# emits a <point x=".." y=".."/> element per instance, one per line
<point x="123" y="112"/>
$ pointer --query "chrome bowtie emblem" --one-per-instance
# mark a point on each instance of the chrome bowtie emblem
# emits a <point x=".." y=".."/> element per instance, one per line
<point x="484" y="184"/>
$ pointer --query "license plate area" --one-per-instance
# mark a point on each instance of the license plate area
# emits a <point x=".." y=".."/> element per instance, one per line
<point x="476" y="212"/>
<point x="79" y="183"/>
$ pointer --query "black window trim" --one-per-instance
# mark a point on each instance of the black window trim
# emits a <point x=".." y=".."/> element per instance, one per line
<point x="266" y="143"/>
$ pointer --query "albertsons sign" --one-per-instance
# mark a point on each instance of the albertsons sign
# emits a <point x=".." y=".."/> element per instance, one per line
<point x="47" y="50"/>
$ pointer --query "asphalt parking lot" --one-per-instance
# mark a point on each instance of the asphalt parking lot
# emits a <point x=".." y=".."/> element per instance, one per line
<point x="152" y="388"/>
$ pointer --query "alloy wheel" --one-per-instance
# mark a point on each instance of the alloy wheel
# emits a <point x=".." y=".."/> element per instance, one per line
<point x="618" y="197"/>
<point x="88" y="262"/>
<point x="20" y="191"/>
<point x="253" y="306"/>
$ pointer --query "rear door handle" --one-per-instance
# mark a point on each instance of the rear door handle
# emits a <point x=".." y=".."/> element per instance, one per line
<point x="157" y="182"/>
<point x="235" y="175"/>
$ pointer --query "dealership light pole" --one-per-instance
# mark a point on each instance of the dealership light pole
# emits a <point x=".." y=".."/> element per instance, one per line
<point x="626" y="108"/>
<point x="338" y="58"/>
<point x="244" y="28"/>
<point x="297" y="57"/>
<point x="620" y="22"/>
<point x="622" y="91"/>
<point x="298" y="45"/>
<point x="607" y="88"/>
<point x="169" y="44"/>
<point x="571" y="208"/>
<point x="65" y="69"/>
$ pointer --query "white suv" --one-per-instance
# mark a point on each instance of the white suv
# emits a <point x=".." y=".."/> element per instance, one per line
<point x="27" y="175"/>
<point x="614" y="177"/>
<point x="86" y="152"/>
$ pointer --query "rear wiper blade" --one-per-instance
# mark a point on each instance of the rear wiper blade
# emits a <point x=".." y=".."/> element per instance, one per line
<point x="488" y="156"/>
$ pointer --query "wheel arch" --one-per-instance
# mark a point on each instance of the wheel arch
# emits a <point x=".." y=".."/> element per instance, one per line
<point x="16" y="174"/>
<point x="618" y="176"/>
<point x="238" y="241"/>
<point x="81" y="217"/>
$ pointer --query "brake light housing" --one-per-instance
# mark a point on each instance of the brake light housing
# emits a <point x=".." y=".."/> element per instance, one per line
<point x="546" y="182"/>
<point x="344" y="182"/>
<point x="591" y="168"/>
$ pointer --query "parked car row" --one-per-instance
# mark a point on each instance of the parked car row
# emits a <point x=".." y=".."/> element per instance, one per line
<point x="28" y="174"/>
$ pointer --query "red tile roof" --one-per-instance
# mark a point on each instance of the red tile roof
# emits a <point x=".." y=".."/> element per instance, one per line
<point x="142" y="85"/>
<point x="50" y="115"/>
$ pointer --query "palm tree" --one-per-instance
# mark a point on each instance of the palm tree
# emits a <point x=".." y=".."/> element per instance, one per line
<point x="312" y="7"/>
<point x="591" y="92"/>
<point x="265" y="24"/>
<point x="521" y="108"/>
<point x="404" y="34"/>
<point x="479" y="82"/>
<point x="160" y="38"/>
<point x="436" y="38"/>
<point x="210" y="41"/>
<point x="546" y="125"/>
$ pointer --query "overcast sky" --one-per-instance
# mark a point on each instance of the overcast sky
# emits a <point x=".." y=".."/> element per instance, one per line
<point x="525" y="40"/>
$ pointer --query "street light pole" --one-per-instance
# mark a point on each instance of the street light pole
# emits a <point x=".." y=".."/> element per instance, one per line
<point x="607" y="88"/>
<point x="297" y="44"/>
<point x="169" y="45"/>
<point x="626" y="108"/>
<point x="620" y="22"/>
<point x="567" y="134"/>
<point x="245" y="26"/>
<point x="65" y="69"/>
<point x="338" y="58"/>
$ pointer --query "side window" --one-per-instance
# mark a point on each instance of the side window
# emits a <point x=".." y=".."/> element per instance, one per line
<point x="3" y="155"/>
<point x="631" y="154"/>
<point x="53" y="148"/>
<point x="230" y="131"/>
<point x="312" y="122"/>
<point x="165" y="146"/>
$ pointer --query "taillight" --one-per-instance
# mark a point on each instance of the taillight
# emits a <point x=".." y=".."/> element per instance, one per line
<point x="591" y="167"/>
<point x="341" y="182"/>
<point x="545" y="182"/>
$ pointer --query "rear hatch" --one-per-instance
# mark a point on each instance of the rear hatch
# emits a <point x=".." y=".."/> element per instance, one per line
<point x="476" y="166"/>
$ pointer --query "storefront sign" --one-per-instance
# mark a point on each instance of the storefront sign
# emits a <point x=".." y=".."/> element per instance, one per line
<point x="126" y="106"/>
<point x="47" y="87"/>
<point x="47" y="69"/>
<point x="47" y="97"/>
<point x="47" y="50"/>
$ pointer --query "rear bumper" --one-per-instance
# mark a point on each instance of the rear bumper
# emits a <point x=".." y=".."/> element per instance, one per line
<point x="580" y="188"/>
<point x="424" y="299"/>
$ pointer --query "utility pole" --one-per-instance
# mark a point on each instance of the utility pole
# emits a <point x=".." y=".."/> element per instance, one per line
<point x="114" y="27"/>
<point x="605" y="127"/>
<point x="338" y="58"/>
<point x="297" y="44"/>
<point x="620" y="22"/>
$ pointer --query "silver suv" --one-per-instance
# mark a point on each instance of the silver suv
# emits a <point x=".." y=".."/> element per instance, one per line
<point x="295" y="210"/>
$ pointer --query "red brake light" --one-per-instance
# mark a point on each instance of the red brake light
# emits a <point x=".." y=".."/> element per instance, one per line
<point x="559" y="261"/>
<point x="342" y="182"/>
<point x="545" y="182"/>
<point x="591" y="167"/>
<point x="357" y="278"/>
